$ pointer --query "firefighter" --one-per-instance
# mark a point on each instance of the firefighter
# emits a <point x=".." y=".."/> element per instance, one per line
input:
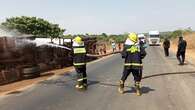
<point x="182" y="44"/>
<point x="133" y="54"/>
<point x="166" y="45"/>
<point x="141" y="43"/>
<point x="79" y="62"/>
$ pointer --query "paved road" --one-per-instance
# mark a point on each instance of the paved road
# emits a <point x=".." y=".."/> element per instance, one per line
<point x="165" y="86"/>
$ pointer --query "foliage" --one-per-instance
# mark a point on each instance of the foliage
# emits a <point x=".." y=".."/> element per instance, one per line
<point x="34" y="26"/>
<point x="164" y="35"/>
<point x="108" y="38"/>
<point x="176" y="33"/>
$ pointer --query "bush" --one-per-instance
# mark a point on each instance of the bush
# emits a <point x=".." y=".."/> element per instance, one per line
<point x="34" y="26"/>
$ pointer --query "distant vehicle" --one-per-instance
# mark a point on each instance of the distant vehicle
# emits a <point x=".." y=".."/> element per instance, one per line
<point x="142" y="37"/>
<point x="154" y="38"/>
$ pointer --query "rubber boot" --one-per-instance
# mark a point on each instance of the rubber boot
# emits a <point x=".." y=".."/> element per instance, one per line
<point x="138" y="88"/>
<point x="79" y="85"/>
<point x="85" y="86"/>
<point x="121" y="87"/>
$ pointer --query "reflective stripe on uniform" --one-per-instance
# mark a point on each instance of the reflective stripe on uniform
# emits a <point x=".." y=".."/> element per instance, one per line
<point x="133" y="49"/>
<point x="79" y="64"/>
<point x="79" y="50"/>
<point x="81" y="79"/>
<point x="133" y="64"/>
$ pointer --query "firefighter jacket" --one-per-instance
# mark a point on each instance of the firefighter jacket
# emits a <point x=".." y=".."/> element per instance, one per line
<point x="133" y="55"/>
<point x="79" y="55"/>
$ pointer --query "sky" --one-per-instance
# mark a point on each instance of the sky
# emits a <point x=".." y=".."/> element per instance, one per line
<point x="106" y="16"/>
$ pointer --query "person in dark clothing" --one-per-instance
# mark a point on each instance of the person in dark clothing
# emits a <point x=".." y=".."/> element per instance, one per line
<point x="182" y="44"/>
<point x="104" y="49"/>
<point x="141" y="43"/>
<point x="133" y="54"/>
<point x="119" y="46"/>
<point x="166" y="45"/>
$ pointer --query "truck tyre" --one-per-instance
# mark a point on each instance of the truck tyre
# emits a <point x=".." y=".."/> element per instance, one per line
<point x="31" y="72"/>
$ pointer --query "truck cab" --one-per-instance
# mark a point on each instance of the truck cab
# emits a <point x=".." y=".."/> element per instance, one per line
<point x="154" y="38"/>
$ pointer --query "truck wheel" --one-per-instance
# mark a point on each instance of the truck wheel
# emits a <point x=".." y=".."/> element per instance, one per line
<point x="31" y="72"/>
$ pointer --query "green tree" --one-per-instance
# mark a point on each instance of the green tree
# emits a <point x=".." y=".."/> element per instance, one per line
<point x="104" y="35"/>
<point x="35" y="26"/>
<point x="176" y="33"/>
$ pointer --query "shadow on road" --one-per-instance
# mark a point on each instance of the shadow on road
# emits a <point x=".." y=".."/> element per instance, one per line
<point x="144" y="90"/>
<point x="103" y="83"/>
<point x="90" y="82"/>
<point x="165" y="74"/>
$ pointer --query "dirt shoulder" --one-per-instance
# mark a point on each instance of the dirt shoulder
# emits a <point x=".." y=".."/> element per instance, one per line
<point x="8" y="88"/>
<point x="190" y="52"/>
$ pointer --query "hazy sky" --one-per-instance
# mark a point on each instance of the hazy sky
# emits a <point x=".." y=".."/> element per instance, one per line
<point x="109" y="16"/>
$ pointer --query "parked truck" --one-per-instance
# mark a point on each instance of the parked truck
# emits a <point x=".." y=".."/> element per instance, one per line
<point x="154" y="38"/>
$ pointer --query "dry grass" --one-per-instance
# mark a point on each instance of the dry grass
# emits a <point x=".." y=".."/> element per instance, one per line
<point x="190" y="38"/>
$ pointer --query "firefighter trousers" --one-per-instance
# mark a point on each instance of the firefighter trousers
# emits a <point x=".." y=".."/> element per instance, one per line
<point x="81" y="75"/>
<point x="137" y="74"/>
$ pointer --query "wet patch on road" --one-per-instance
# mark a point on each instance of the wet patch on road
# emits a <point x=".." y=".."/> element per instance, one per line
<point x="60" y="80"/>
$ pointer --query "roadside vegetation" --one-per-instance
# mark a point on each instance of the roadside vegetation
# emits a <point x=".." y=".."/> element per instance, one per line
<point x="39" y="27"/>
<point x="176" y="33"/>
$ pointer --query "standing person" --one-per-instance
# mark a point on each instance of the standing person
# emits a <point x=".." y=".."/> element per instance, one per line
<point x="141" y="43"/>
<point x="142" y="47"/>
<point x="94" y="48"/>
<point x="79" y="62"/>
<point x="104" y="48"/>
<point x="133" y="54"/>
<point x="101" y="49"/>
<point x="182" y="44"/>
<point x="166" y="45"/>
<point x="119" y="46"/>
<point x="113" y="46"/>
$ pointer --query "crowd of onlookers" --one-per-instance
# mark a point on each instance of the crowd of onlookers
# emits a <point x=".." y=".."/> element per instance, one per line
<point x="109" y="48"/>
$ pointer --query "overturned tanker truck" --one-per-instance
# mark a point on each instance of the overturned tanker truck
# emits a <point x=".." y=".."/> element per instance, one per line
<point x="22" y="60"/>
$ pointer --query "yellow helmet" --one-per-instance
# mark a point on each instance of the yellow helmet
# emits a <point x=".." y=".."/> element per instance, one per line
<point x="77" y="39"/>
<point x="133" y="37"/>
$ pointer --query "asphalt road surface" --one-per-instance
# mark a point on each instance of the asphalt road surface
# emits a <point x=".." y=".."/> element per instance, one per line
<point x="165" y="86"/>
